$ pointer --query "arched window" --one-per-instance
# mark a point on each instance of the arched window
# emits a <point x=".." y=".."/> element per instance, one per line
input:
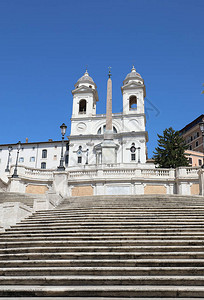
<point x="102" y="130"/>
<point x="44" y="153"/>
<point x="82" y="106"/>
<point x="43" y="165"/>
<point x="133" y="103"/>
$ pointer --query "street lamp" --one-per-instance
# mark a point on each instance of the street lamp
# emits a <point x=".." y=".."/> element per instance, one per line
<point x="15" y="175"/>
<point x="9" y="155"/>
<point x="63" y="131"/>
<point x="201" y="124"/>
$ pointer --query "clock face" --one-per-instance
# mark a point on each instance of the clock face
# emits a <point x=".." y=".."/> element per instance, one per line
<point x="81" y="126"/>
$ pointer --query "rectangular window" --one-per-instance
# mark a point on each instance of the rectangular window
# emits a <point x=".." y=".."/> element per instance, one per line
<point x="21" y="159"/>
<point x="132" y="156"/>
<point x="190" y="160"/>
<point x="196" y="144"/>
<point x="200" y="162"/>
<point x="43" y="165"/>
<point x="44" y="153"/>
<point x="32" y="159"/>
<point x="190" y="147"/>
<point x="198" y="134"/>
<point x="79" y="159"/>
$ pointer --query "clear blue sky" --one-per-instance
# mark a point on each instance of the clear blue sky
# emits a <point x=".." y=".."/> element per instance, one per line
<point x="45" y="46"/>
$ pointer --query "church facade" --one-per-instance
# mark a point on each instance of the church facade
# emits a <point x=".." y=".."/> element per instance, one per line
<point x="128" y="127"/>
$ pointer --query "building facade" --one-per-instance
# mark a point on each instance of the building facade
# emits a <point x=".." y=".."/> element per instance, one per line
<point x="39" y="155"/>
<point x="193" y="135"/>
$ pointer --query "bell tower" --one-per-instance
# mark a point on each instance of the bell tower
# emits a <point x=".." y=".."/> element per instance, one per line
<point x="133" y="91"/>
<point x="85" y="96"/>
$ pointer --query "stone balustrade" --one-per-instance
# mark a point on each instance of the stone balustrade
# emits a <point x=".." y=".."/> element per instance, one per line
<point x="134" y="179"/>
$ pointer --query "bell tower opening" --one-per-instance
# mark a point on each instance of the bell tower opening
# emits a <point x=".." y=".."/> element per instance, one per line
<point x="133" y="103"/>
<point x="82" y="106"/>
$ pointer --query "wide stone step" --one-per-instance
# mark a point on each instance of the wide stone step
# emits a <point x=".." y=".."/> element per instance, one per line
<point x="124" y="209"/>
<point x="100" y="235"/>
<point x="102" y="271"/>
<point x="119" y="224"/>
<point x="103" y="280"/>
<point x="58" y="222"/>
<point x="107" y="230"/>
<point x="102" y="255"/>
<point x="150" y="263"/>
<point x="103" y="291"/>
<point x="102" y="249"/>
<point x="113" y="217"/>
<point x="104" y="242"/>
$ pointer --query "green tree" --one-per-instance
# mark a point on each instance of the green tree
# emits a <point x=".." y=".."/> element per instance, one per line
<point x="170" y="150"/>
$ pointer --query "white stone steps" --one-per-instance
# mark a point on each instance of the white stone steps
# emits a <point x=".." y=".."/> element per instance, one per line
<point x="101" y="271"/>
<point x="150" y="263"/>
<point x="102" y="255"/>
<point x="119" y="291"/>
<point x="103" y="280"/>
<point x="106" y="244"/>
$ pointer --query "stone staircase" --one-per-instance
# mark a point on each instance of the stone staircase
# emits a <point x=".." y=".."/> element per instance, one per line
<point x="26" y="199"/>
<point x="119" y="246"/>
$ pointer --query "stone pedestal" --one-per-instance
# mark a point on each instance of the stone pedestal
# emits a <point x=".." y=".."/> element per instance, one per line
<point x="60" y="183"/>
<point x="109" y="152"/>
<point x="201" y="181"/>
<point x="16" y="185"/>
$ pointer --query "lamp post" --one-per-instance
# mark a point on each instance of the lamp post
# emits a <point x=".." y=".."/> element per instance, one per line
<point x="63" y="131"/>
<point x="15" y="175"/>
<point x="201" y="124"/>
<point x="9" y="155"/>
<point x="87" y="156"/>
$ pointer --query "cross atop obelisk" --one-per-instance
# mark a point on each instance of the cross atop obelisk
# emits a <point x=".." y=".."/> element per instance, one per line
<point x="109" y="126"/>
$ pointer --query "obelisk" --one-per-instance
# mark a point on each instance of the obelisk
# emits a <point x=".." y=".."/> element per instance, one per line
<point x="109" y="126"/>
<point x="109" y="148"/>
